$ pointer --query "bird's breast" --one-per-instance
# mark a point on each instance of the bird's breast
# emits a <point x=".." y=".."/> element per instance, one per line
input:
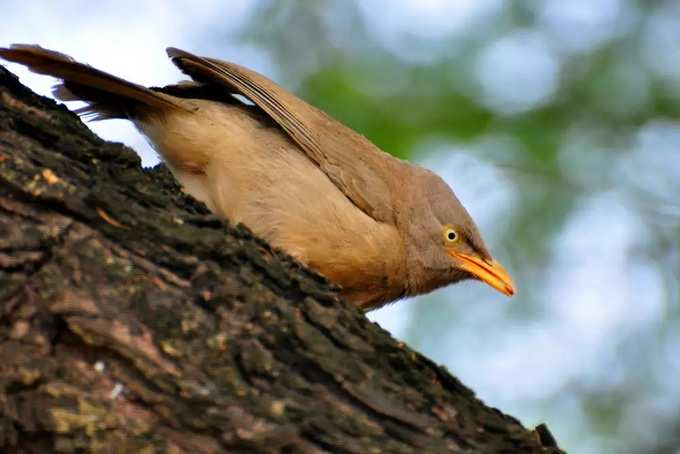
<point x="251" y="173"/>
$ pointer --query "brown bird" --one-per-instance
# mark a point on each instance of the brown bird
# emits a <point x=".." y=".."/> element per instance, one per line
<point x="380" y="227"/>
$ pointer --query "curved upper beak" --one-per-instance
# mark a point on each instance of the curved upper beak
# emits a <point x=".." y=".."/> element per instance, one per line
<point x="490" y="272"/>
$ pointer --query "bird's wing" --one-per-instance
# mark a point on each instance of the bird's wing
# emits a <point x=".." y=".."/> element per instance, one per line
<point x="358" y="168"/>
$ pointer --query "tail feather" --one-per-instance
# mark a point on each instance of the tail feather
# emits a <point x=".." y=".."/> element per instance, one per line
<point x="108" y="96"/>
<point x="101" y="105"/>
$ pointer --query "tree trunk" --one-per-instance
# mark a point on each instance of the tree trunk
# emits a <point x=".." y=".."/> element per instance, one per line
<point x="133" y="320"/>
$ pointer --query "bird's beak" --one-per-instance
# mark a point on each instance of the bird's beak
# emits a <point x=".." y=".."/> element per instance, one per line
<point x="490" y="272"/>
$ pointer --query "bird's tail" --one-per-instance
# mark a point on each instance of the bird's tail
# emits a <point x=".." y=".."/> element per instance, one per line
<point x="107" y="96"/>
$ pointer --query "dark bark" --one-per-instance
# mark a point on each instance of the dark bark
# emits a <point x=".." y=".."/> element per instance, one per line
<point x="132" y="320"/>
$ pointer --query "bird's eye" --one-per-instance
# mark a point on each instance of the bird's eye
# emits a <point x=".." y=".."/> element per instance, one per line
<point x="450" y="235"/>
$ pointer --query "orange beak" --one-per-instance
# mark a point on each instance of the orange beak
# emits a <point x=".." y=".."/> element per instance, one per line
<point x="491" y="272"/>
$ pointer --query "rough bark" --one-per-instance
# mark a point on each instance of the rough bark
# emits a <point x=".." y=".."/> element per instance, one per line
<point x="132" y="320"/>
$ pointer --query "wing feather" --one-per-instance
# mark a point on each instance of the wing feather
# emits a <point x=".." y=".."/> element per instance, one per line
<point x="362" y="171"/>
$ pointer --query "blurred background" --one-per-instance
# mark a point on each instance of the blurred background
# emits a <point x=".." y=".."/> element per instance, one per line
<point x="556" y="122"/>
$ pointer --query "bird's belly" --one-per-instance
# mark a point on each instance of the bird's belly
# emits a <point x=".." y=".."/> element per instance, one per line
<point x="256" y="175"/>
<point x="287" y="200"/>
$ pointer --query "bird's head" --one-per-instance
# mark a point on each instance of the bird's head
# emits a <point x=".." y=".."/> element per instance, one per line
<point x="445" y="244"/>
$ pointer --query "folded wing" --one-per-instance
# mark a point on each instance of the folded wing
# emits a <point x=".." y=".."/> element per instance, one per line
<point x="356" y="166"/>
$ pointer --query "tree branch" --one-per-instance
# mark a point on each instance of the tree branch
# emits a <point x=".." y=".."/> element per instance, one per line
<point x="131" y="319"/>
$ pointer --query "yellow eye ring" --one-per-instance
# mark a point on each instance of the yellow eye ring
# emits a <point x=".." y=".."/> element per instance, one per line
<point x="450" y="235"/>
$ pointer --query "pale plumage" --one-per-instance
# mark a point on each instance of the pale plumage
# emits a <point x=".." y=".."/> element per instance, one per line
<point x="378" y="226"/>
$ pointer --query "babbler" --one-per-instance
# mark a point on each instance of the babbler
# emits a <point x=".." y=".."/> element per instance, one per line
<point x="380" y="227"/>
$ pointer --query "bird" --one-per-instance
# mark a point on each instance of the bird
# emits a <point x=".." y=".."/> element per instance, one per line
<point x="379" y="227"/>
